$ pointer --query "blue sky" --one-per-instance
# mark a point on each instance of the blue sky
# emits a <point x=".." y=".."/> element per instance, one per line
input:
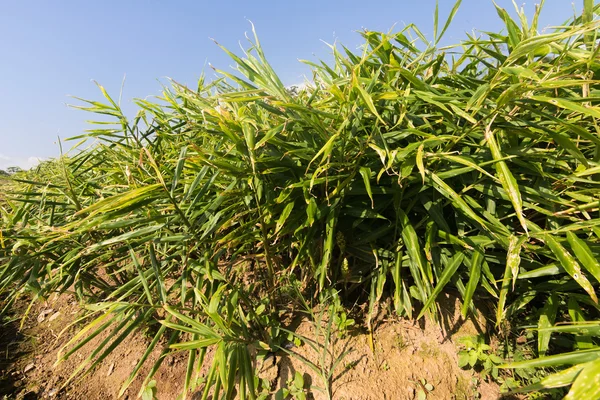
<point x="50" y="50"/>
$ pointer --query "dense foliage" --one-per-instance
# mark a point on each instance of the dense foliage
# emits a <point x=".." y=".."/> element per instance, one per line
<point x="401" y="171"/>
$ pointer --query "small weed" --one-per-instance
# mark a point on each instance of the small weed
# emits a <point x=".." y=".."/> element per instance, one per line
<point x="424" y="389"/>
<point x="385" y="366"/>
<point x="149" y="392"/>
<point x="296" y="387"/>
<point x="264" y="387"/>
<point x="294" y="390"/>
<point x="477" y="354"/>
<point x="340" y="318"/>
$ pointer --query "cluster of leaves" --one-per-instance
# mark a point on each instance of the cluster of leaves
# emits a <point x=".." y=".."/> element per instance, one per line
<point x="476" y="353"/>
<point x="402" y="170"/>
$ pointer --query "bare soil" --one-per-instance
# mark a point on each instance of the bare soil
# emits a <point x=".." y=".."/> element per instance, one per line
<point x="407" y="355"/>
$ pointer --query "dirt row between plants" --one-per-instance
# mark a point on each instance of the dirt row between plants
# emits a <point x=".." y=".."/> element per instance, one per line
<point x="410" y="361"/>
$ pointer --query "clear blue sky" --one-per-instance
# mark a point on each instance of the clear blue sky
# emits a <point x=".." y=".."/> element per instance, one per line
<point x="52" y="49"/>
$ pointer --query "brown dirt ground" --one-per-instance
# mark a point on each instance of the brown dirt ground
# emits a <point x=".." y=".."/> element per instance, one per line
<point x="405" y="353"/>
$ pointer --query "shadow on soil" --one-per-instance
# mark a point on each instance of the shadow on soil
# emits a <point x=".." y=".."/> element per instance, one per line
<point x="11" y="350"/>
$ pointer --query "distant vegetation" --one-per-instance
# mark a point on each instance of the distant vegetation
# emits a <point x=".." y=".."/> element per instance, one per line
<point x="401" y="171"/>
<point x="10" y="171"/>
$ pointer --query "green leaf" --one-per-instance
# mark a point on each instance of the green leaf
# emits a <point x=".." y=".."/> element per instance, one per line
<point x="513" y="257"/>
<point x="514" y="34"/>
<point x="328" y="248"/>
<point x="555" y="380"/>
<point x="581" y="327"/>
<point x="547" y="318"/>
<point x="195" y="344"/>
<point x="413" y="248"/>
<point x="366" y="175"/>
<point x="287" y="210"/>
<point x="569" y="105"/>
<point x="500" y="312"/>
<point x="448" y="273"/>
<point x="162" y="291"/>
<point x="448" y="20"/>
<point x="178" y="169"/>
<point x="149" y="390"/>
<point x="584" y="255"/>
<point x="587" y="383"/>
<point x="474" y="276"/>
<point x="311" y="211"/>
<point x="506" y="178"/>
<point x="463" y="359"/>
<point x="571" y="266"/>
<point x="571" y="358"/>
<point x="368" y="101"/>
<point x="450" y="194"/>
<point x="520" y="71"/>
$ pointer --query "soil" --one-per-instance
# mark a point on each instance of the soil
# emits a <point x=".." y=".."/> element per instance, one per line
<point x="407" y="356"/>
<point x="31" y="373"/>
